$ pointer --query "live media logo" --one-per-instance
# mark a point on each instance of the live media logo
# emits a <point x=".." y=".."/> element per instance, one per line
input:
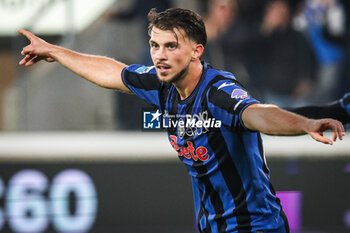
<point x="152" y="120"/>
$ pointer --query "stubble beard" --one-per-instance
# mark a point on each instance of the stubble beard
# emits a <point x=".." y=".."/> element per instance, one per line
<point x="177" y="77"/>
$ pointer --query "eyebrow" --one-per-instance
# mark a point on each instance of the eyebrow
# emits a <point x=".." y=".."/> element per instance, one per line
<point x="176" y="43"/>
<point x="172" y="43"/>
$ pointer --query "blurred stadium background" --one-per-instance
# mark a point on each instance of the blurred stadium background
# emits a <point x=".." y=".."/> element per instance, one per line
<point x="73" y="157"/>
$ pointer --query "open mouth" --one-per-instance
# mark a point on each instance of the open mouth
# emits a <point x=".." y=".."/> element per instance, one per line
<point x="163" y="68"/>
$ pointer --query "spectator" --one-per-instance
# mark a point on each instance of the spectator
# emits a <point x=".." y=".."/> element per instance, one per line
<point x="323" y="22"/>
<point x="219" y="16"/>
<point x="285" y="58"/>
<point x="277" y="58"/>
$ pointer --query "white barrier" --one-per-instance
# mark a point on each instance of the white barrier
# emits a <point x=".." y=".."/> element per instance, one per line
<point x="137" y="146"/>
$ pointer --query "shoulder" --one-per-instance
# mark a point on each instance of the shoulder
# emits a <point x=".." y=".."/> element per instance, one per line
<point x="215" y="73"/>
<point x="140" y="77"/>
<point x="218" y="79"/>
<point x="229" y="94"/>
<point x="223" y="85"/>
<point x="227" y="89"/>
<point x="221" y="81"/>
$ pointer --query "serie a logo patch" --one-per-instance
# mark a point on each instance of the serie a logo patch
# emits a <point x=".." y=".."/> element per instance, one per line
<point x="144" y="69"/>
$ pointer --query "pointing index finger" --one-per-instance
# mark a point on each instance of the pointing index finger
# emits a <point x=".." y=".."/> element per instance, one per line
<point x="27" y="34"/>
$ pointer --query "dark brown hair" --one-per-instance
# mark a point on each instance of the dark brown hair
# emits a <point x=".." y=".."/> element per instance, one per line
<point x="172" y="18"/>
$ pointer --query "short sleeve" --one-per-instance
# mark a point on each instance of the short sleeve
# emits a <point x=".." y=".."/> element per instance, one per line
<point x="227" y="100"/>
<point x="143" y="82"/>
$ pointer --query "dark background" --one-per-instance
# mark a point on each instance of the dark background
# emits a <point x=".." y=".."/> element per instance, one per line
<point x="157" y="197"/>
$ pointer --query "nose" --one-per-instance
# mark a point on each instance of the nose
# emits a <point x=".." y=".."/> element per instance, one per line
<point x="159" y="53"/>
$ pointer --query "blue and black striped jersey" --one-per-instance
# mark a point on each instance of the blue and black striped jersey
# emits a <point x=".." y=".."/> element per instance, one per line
<point x="231" y="185"/>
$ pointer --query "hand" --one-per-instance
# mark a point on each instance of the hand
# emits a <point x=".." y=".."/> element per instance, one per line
<point x="317" y="127"/>
<point x="37" y="50"/>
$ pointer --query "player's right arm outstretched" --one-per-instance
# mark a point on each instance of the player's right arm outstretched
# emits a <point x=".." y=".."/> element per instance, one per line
<point x="102" y="71"/>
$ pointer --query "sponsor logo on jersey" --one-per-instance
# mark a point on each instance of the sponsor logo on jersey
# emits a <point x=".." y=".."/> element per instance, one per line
<point x="189" y="151"/>
<point x="143" y="69"/>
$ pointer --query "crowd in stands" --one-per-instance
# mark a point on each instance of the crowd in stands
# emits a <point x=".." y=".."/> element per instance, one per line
<point x="285" y="52"/>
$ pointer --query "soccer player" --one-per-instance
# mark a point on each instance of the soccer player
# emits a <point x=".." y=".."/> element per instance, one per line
<point x="212" y="122"/>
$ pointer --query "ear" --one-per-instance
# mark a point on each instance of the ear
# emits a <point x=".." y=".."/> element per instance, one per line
<point x="197" y="51"/>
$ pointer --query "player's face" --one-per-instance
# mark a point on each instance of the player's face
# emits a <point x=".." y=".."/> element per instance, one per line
<point x="171" y="53"/>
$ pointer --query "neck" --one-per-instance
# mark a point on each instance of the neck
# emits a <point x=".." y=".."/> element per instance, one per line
<point x="186" y="86"/>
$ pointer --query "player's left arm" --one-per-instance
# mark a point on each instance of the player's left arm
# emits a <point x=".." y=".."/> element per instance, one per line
<point x="271" y="120"/>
